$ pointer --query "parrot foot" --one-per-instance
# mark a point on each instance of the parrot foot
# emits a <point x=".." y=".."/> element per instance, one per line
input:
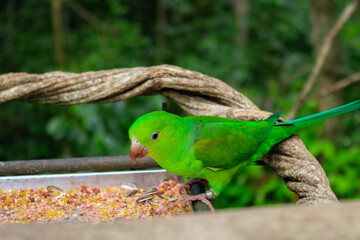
<point x="186" y="185"/>
<point x="203" y="197"/>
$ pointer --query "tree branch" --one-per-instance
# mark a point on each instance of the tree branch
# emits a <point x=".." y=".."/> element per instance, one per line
<point x="322" y="56"/>
<point x="339" y="85"/>
<point x="197" y="93"/>
<point x="89" y="17"/>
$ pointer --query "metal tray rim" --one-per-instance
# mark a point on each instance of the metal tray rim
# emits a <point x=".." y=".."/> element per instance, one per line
<point x="87" y="174"/>
<point x="67" y="181"/>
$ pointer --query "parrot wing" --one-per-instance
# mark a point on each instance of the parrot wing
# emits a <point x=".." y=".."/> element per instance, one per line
<point x="224" y="143"/>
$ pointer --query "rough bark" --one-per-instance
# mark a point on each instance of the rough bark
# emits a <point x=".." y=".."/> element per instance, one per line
<point x="197" y="93"/>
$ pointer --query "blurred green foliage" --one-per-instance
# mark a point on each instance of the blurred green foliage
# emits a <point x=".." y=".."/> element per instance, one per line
<point x="270" y="68"/>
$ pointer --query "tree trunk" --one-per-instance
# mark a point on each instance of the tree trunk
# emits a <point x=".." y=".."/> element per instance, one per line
<point x="9" y="26"/>
<point x="58" y="31"/>
<point x="160" y="31"/>
<point x="323" y="16"/>
<point x="241" y="11"/>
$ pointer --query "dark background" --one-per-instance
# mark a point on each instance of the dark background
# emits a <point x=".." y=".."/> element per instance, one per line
<point x="264" y="49"/>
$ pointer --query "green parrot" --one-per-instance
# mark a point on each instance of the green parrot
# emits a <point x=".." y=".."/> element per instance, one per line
<point x="212" y="148"/>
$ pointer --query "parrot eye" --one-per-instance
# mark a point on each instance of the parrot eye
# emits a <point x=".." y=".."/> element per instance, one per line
<point x="154" y="136"/>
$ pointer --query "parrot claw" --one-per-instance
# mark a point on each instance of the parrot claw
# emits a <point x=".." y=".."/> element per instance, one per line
<point x="186" y="185"/>
<point x="200" y="197"/>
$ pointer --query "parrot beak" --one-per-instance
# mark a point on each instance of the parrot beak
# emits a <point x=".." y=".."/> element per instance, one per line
<point x="137" y="151"/>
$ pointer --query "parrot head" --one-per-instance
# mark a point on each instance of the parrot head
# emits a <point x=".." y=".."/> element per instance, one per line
<point x="153" y="134"/>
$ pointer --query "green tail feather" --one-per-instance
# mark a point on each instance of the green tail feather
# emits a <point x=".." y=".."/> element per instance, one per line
<point x="272" y="120"/>
<point x="281" y="131"/>
<point x="319" y="117"/>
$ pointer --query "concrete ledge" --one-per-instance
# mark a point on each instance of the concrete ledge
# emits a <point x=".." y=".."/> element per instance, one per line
<point x="340" y="221"/>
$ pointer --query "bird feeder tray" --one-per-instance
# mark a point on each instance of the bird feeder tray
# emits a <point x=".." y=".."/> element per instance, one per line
<point x="64" y="184"/>
<point x="143" y="178"/>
